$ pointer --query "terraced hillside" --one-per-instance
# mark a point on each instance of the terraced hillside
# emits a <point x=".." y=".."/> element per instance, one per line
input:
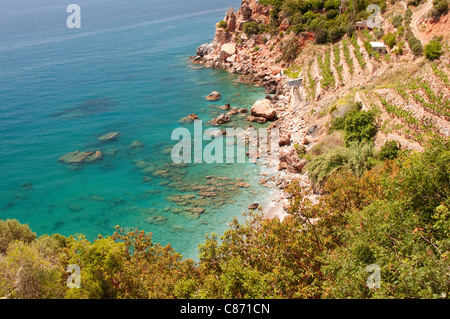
<point x="409" y="94"/>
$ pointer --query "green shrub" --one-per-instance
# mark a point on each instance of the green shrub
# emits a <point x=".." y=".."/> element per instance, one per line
<point x="357" y="158"/>
<point x="250" y="28"/>
<point x="433" y="50"/>
<point x="222" y="24"/>
<point x="11" y="230"/>
<point x="390" y="150"/>
<point x="331" y="14"/>
<point x="350" y="29"/>
<point x="336" y="33"/>
<point x="397" y="21"/>
<point x="309" y="16"/>
<point x="440" y="8"/>
<point x="289" y="50"/>
<point x="368" y="47"/>
<point x="378" y="33"/>
<point x="390" y="39"/>
<point x="337" y="124"/>
<point x="332" y="4"/>
<point x="415" y="46"/>
<point x="359" y="126"/>
<point x="300" y="149"/>
<point x="26" y="273"/>
<point x="321" y="35"/>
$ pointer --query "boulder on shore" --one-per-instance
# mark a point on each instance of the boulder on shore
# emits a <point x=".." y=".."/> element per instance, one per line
<point x="222" y="118"/>
<point x="257" y="119"/>
<point x="78" y="157"/>
<point x="285" y="139"/>
<point x="226" y="51"/>
<point x="263" y="108"/>
<point x="213" y="96"/>
<point x="204" y="49"/>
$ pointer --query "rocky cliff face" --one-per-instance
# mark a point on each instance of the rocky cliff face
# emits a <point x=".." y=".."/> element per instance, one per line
<point x="240" y="53"/>
<point x="257" y="58"/>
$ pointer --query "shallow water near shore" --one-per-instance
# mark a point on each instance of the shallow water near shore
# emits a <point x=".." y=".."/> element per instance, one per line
<point x="61" y="89"/>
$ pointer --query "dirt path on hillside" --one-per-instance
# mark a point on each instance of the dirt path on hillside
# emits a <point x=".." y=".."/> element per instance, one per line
<point x="360" y="97"/>
<point x="417" y="18"/>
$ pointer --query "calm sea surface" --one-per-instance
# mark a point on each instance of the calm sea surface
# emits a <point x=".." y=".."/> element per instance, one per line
<point x="125" y="70"/>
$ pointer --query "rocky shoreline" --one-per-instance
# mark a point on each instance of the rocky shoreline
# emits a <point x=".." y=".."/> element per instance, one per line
<point x="228" y="51"/>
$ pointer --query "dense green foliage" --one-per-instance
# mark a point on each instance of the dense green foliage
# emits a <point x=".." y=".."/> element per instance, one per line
<point x="389" y="150"/>
<point x="11" y="230"/>
<point x="290" y="49"/>
<point x="359" y="126"/>
<point x="357" y="159"/>
<point x="320" y="17"/>
<point x="390" y="39"/>
<point x="252" y="28"/>
<point x="395" y="215"/>
<point x="397" y="21"/>
<point x="222" y="24"/>
<point x="440" y="8"/>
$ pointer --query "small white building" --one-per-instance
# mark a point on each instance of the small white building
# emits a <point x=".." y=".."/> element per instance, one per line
<point x="379" y="47"/>
<point x="295" y="82"/>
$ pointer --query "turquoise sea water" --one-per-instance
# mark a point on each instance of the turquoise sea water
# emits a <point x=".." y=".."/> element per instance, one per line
<point x="125" y="70"/>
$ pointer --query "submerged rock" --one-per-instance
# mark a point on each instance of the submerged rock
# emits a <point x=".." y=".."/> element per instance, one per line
<point x="149" y="169"/>
<point x="206" y="194"/>
<point x="161" y="173"/>
<point x="111" y="152"/>
<point x="136" y="144"/>
<point x="196" y="210"/>
<point x="243" y="185"/>
<point x="111" y="136"/>
<point x="78" y="157"/>
<point x="94" y="198"/>
<point x="27" y="185"/>
<point x="189" y="118"/>
<point x="75" y="208"/>
<point x="226" y="107"/>
<point x="156" y="220"/>
<point x="86" y="108"/>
